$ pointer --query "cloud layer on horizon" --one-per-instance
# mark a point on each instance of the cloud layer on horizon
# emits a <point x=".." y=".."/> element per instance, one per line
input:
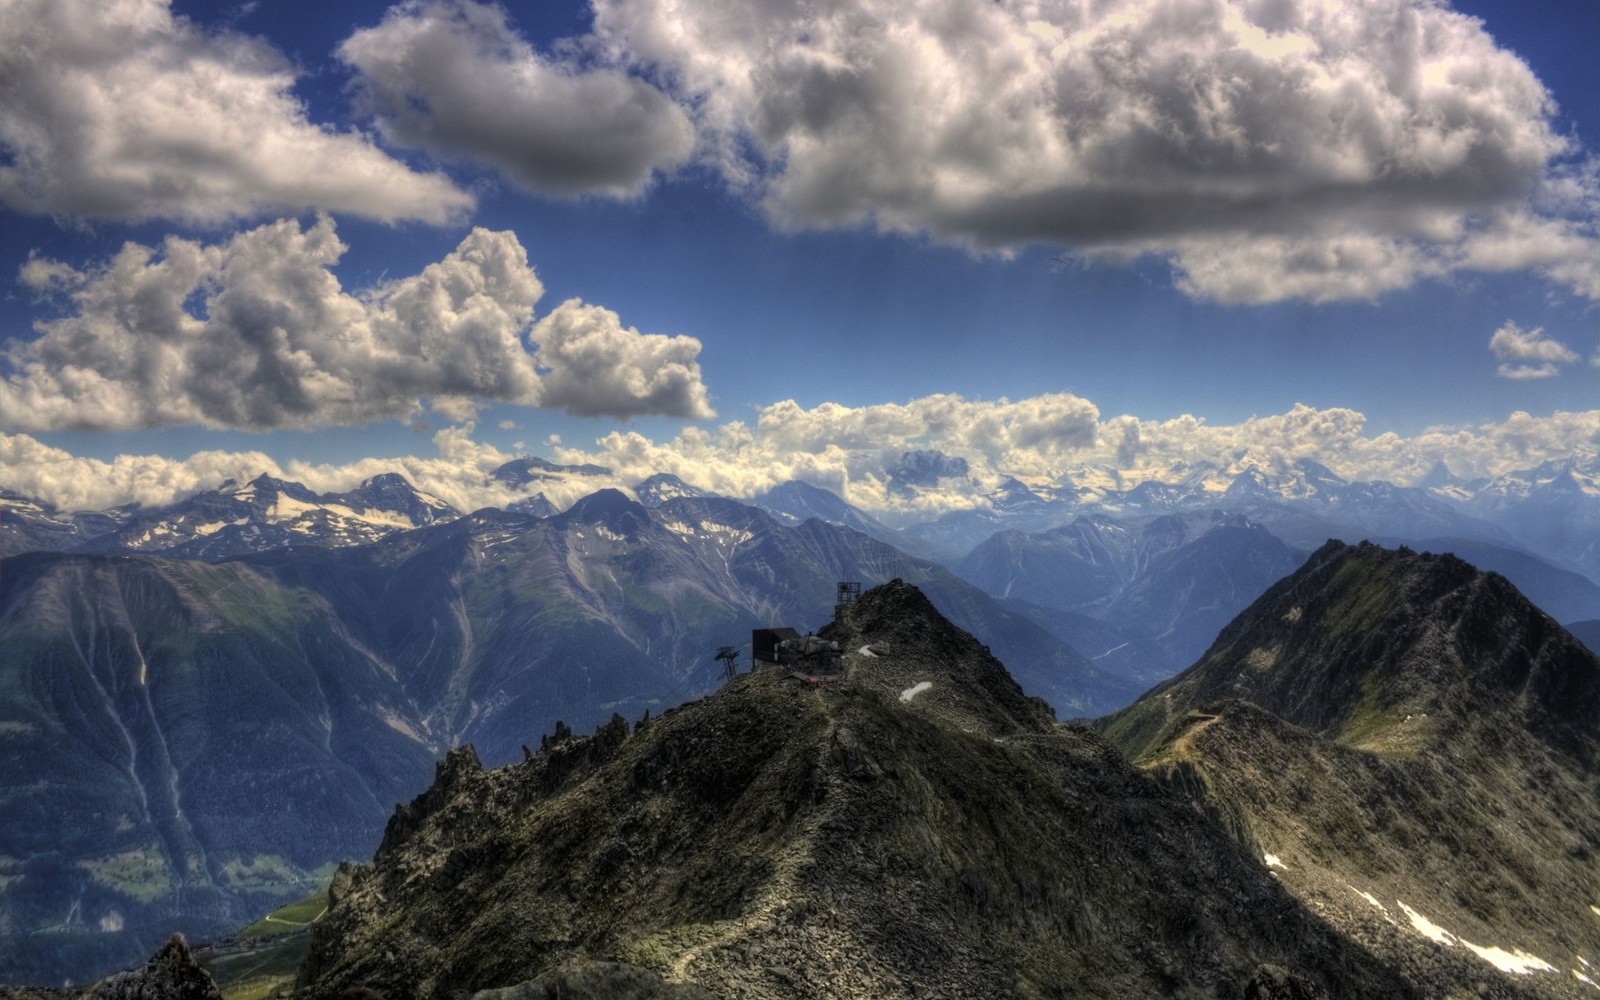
<point x="121" y="110"/>
<point x="855" y="451"/>
<point x="256" y="333"/>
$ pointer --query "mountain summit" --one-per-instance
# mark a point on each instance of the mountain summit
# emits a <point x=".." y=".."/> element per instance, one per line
<point x="915" y="826"/>
<point x="1413" y="747"/>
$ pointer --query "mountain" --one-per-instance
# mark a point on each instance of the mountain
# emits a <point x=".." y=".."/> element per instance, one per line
<point x="167" y="709"/>
<point x="795" y="501"/>
<point x="28" y="525"/>
<point x="1553" y="508"/>
<point x="1565" y="595"/>
<point x="521" y="471"/>
<point x="268" y="513"/>
<point x="183" y="744"/>
<point x="1171" y="580"/>
<point x="663" y="486"/>
<point x="1415" y="748"/>
<point x="917" y="827"/>
<point x="1107" y="647"/>
<point x="1586" y="632"/>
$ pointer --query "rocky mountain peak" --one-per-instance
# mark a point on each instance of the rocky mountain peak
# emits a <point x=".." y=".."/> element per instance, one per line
<point x="612" y="508"/>
<point x="171" y="974"/>
<point x="1363" y="643"/>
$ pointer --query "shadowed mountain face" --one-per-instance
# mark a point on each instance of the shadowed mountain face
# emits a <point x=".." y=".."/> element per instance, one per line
<point x="1417" y="748"/>
<point x="180" y="745"/>
<point x="183" y="740"/>
<point x="1170" y="581"/>
<point x="918" y="828"/>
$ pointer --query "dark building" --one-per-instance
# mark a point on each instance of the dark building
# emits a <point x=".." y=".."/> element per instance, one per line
<point x="764" y="644"/>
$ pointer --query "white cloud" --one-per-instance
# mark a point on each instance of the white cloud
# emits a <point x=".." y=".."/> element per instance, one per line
<point x="1318" y="150"/>
<point x="596" y="367"/>
<point x="117" y="109"/>
<point x="257" y="333"/>
<point x="1528" y="354"/>
<point x="453" y="77"/>
<point x="852" y="450"/>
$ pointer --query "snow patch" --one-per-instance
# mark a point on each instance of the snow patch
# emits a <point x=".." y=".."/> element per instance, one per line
<point x="869" y="654"/>
<point x="287" y="508"/>
<point x="1369" y="897"/>
<point x="1273" y="861"/>
<point x="726" y="532"/>
<point x="1518" y="963"/>
<point x="678" y="527"/>
<point x="608" y="534"/>
<point x="1427" y="928"/>
<point x="915" y="689"/>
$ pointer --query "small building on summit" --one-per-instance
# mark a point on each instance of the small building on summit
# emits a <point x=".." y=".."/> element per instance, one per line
<point x="764" y="644"/>
<point x="809" y="655"/>
<point x="805" y="654"/>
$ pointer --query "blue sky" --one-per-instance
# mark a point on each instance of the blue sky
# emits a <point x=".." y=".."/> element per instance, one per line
<point x="812" y="262"/>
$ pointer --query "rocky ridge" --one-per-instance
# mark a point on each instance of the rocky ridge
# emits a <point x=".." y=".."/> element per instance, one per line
<point x="917" y="827"/>
<point x="1413" y="747"/>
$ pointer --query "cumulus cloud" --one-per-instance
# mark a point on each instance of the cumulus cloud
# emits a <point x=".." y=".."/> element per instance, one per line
<point x="1269" y="150"/>
<point x="257" y="333"/>
<point x="860" y="452"/>
<point x="594" y="366"/>
<point x="452" y="77"/>
<point x="1528" y="354"/>
<point x="118" y="109"/>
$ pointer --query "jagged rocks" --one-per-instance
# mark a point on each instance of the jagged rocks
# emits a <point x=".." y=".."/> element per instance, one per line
<point x="171" y="974"/>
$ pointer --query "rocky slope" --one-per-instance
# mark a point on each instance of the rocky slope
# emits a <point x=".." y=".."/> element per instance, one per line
<point x="917" y="828"/>
<point x="1416" y="750"/>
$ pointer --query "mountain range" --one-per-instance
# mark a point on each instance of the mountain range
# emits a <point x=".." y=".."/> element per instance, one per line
<point x="157" y="713"/>
<point x="169" y="674"/>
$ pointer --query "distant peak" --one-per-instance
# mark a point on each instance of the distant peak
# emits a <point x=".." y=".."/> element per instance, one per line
<point x="386" y="480"/>
<point x="1439" y="476"/>
<point x="606" y="506"/>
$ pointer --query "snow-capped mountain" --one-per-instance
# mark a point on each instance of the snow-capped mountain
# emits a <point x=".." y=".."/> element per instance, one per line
<point x="28" y="525"/>
<point x="268" y="513"/>
<point x="1304" y="503"/>
<point x="1553" y="509"/>
<point x="664" y="486"/>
